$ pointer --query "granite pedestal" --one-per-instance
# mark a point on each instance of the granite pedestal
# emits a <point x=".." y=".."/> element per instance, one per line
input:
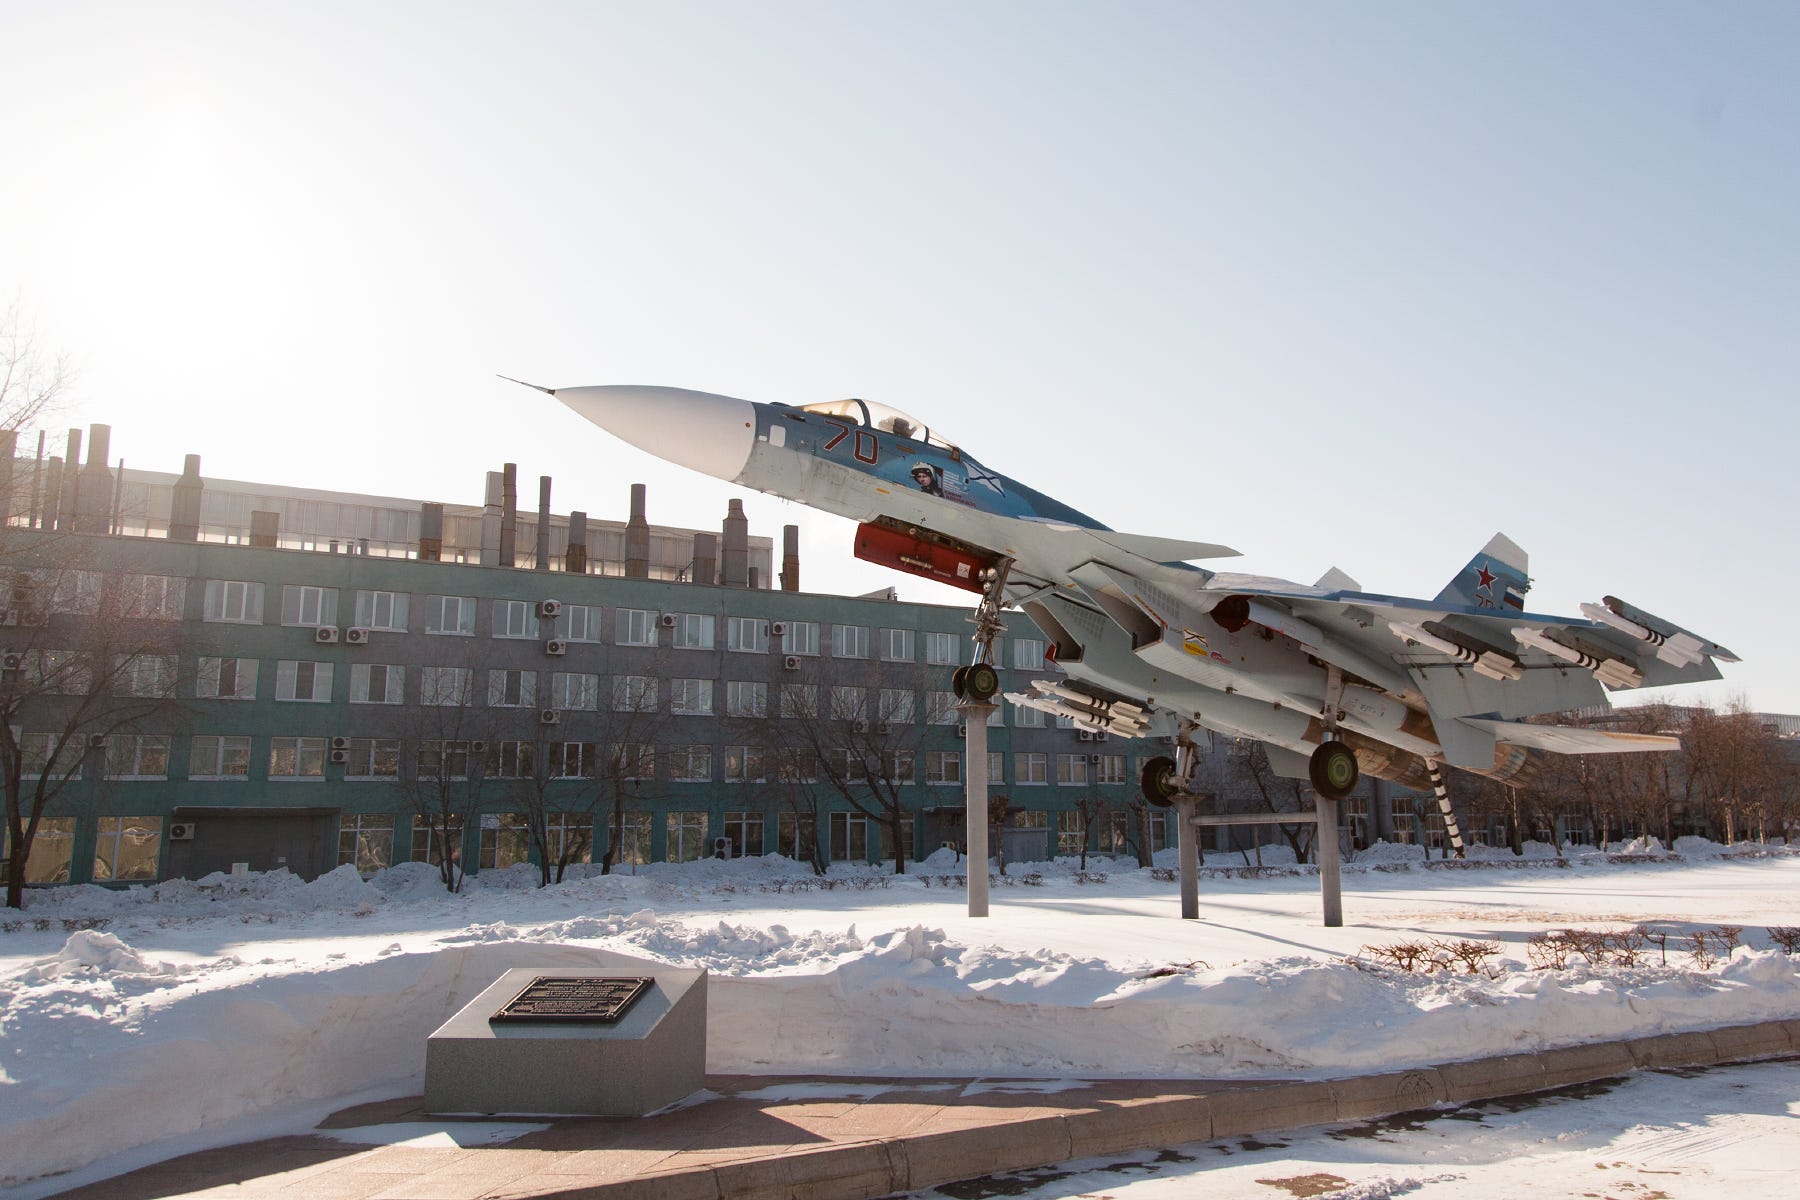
<point x="653" y="1056"/>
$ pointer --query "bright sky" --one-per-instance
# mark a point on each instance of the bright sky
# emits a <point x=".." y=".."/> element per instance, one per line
<point x="1334" y="284"/>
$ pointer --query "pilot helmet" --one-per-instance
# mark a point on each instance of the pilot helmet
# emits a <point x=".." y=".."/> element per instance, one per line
<point x="924" y="472"/>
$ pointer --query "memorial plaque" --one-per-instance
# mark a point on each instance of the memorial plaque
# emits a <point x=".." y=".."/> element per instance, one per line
<point x="573" y="999"/>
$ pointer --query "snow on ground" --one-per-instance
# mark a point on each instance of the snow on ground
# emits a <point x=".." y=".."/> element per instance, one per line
<point x="199" y="1013"/>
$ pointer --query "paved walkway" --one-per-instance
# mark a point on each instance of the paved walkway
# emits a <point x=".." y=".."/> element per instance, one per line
<point x="755" y="1137"/>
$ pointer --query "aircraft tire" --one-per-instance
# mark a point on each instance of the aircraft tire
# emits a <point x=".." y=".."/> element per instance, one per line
<point x="981" y="682"/>
<point x="1333" y="770"/>
<point x="959" y="682"/>
<point x="1158" y="780"/>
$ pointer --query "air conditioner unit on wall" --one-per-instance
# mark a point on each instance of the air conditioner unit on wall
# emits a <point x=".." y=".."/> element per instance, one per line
<point x="777" y="628"/>
<point x="1084" y="735"/>
<point x="667" y="620"/>
<point x="859" y="727"/>
<point x="549" y="716"/>
<point x="356" y="636"/>
<point x="556" y="646"/>
<point x="181" y="831"/>
<point x="1094" y="758"/>
<point x="340" y="756"/>
<point x="12" y="660"/>
<point x="340" y="743"/>
<point x="962" y="730"/>
<point x="478" y="747"/>
<point x="791" y="662"/>
<point x="33" y="616"/>
<point x="325" y="634"/>
<point x="550" y="608"/>
<point x="96" y="741"/>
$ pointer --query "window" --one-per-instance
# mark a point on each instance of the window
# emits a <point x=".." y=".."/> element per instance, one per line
<point x="799" y="700"/>
<point x="505" y="841"/>
<point x="226" y="679"/>
<point x="897" y="645"/>
<point x="630" y="837"/>
<point x="635" y="627"/>
<point x="373" y="758"/>
<point x="382" y="610"/>
<point x="231" y="600"/>
<point x="447" y="687"/>
<point x="689" y="764"/>
<point x="796" y="765"/>
<point x="996" y="767"/>
<point x="1026" y="717"/>
<point x="691" y="697"/>
<point x="51" y="851"/>
<point x="941" y="649"/>
<point x="847" y="765"/>
<point x="515" y="619"/>
<point x="512" y="689"/>
<point x="573" y="690"/>
<point x="60" y="672"/>
<point x="635" y="760"/>
<point x="687" y="837"/>
<point x="308" y="681"/>
<point x="153" y="597"/>
<point x="1071" y="770"/>
<point x="895" y="706"/>
<point x="375" y="683"/>
<point x="450" y="614"/>
<point x="365" y="842"/>
<point x="215" y="757"/>
<point x="127" y="848"/>
<point x="943" y="766"/>
<point x="940" y="708"/>
<point x="849" y="837"/>
<point x="1030" y="768"/>
<point x="1028" y="653"/>
<point x="634" y="693"/>
<point x="745" y="829"/>
<point x="75" y="592"/>
<point x="745" y="764"/>
<point x="802" y="637"/>
<point x="302" y="604"/>
<point x="848" y="703"/>
<point x="569" y="837"/>
<point x="297" y="758"/>
<point x="1069" y="833"/>
<point x="137" y="756"/>
<point x="573" y="760"/>
<point x="579" y="623"/>
<point x="902" y="767"/>
<point x="145" y="675"/>
<point x="746" y="699"/>
<point x="749" y="634"/>
<point x="431" y="836"/>
<point x="693" y="631"/>
<point x="797" y="836"/>
<point x="1111" y="769"/>
<point x="850" y="641"/>
<point x="439" y="761"/>
<point x="511" y="760"/>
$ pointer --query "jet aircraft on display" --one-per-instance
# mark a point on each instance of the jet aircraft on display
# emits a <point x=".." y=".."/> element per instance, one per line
<point x="1335" y="681"/>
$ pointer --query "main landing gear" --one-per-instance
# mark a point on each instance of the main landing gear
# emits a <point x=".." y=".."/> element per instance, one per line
<point x="1332" y="769"/>
<point x="1166" y="779"/>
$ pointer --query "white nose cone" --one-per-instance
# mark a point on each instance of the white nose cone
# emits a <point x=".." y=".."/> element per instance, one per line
<point x="700" y="431"/>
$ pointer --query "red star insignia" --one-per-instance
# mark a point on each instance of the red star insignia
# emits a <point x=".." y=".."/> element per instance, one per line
<point x="1486" y="578"/>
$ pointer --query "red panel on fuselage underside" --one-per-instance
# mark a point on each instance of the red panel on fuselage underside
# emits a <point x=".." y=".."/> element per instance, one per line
<point x="918" y="556"/>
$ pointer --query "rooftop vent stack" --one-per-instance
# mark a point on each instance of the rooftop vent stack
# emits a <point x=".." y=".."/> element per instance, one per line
<point x="71" y="483"/>
<point x="37" y="484"/>
<point x="790" y="558"/>
<point x="509" y="515"/>
<point x="52" y="491"/>
<point x="637" y="537"/>
<point x="706" y="559"/>
<point x="265" y="530"/>
<point x="490" y="522"/>
<point x="184" y="509"/>
<point x="753" y="578"/>
<point x="736" y="557"/>
<point x="93" y="514"/>
<point x="543" y="528"/>
<point x="431" y="532"/>
<point x="9" y="446"/>
<point x="576" y="557"/>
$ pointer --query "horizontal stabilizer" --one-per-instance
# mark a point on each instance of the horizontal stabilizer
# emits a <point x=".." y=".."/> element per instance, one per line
<point x="1494" y="578"/>
<point x="1564" y="739"/>
<point x="1161" y="549"/>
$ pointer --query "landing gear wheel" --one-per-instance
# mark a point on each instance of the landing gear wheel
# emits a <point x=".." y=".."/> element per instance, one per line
<point x="958" y="682"/>
<point x="1333" y="770"/>
<point x="981" y="682"/>
<point x="1159" y="781"/>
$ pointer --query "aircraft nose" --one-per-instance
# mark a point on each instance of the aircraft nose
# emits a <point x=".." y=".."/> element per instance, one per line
<point x="703" y="432"/>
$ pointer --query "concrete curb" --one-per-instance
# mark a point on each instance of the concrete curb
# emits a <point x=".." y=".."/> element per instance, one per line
<point x="863" y="1170"/>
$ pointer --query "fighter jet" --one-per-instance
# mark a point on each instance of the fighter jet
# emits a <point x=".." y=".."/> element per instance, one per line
<point x="1335" y="681"/>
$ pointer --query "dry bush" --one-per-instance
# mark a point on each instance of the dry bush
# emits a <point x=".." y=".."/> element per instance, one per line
<point x="1429" y="957"/>
<point x="1557" y="948"/>
<point x="1786" y="936"/>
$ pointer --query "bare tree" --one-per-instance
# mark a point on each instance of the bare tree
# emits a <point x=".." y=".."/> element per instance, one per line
<point x="1270" y="793"/>
<point x="443" y="784"/>
<point x="88" y="656"/>
<point x="1090" y="809"/>
<point x="32" y="381"/>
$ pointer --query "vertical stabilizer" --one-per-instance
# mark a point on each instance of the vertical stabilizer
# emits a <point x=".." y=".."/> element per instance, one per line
<point x="1494" y="578"/>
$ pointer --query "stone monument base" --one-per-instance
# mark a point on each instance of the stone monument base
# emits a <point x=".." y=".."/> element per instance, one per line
<point x="652" y="1056"/>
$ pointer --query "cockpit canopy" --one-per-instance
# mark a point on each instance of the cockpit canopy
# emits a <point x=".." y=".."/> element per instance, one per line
<point x="878" y="416"/>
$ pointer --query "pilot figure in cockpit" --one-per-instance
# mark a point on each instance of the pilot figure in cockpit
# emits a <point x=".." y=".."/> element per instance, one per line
<point x="926" y="477"/>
